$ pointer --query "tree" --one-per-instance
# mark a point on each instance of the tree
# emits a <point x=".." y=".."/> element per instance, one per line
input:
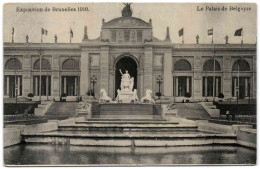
<point x="63" y="97"/>
<point x="187" y="95"/>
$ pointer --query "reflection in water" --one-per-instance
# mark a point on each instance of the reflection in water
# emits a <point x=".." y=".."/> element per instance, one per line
<point x="26" y="154"/>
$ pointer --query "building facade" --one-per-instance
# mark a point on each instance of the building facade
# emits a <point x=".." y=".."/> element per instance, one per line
<point x="49" y="69"/>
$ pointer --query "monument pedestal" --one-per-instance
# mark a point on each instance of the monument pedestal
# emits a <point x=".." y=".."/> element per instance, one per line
<point x="125" y="96"/>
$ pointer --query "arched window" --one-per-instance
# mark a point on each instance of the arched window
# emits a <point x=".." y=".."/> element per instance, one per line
<point x="242" y="65"/>
<point x="182" y="64"/>
<point x="44" y="66"/>
<point x="13" y="63"/>
<point x="70" y="64"/>
<point x="209" y="65"/>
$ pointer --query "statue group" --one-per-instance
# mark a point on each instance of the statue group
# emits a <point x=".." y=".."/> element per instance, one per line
<point x="126" y="93"/>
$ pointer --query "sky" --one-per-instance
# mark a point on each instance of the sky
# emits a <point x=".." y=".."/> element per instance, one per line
<point x="174" y="15"/>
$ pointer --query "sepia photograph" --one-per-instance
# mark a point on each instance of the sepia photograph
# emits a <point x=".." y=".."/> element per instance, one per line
<point x="129" y="84"/>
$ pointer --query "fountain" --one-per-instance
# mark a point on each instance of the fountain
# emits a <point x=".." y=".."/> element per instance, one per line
<point x="126" y="94"/>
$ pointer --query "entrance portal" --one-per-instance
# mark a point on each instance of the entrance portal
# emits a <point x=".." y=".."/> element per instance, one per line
<point x="125" y="63"/>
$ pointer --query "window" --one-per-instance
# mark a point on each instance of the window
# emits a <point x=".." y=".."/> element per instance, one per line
<point x="139" y="36"/>
<point x="113" y="36"/>
<point x="241" y="65"/>
<point x="209" y="65"/>
<point x="44" y="66"/>
<point x="13" y="63"/>
<point x="70" y="64"/>
<point x="45" y="85"/>
<point x="182" y="65"/>
<point x="208" y="86"/>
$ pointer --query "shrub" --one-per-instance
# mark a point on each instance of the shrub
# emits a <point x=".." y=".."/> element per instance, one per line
<point x="90" y="92"/>
<point x="63" y="95"/>
<point x="221" y="95"/>
<point x="30" y="95"/>
<point x="188" y="95"/>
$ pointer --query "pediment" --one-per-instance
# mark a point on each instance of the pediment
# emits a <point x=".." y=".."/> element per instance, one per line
<point x="126" y="22"/>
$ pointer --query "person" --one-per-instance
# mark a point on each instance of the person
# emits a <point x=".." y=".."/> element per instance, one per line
<point x="227" y="115"/>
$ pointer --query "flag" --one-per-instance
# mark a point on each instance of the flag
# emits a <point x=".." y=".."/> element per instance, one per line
<point x="71" y="33"/>
<point x="238" y="32"/>
<point x="44" y="32"/>
<point x="12" y="30"/>
<point x="181" y="32"/>
<point x="210" y="32"/>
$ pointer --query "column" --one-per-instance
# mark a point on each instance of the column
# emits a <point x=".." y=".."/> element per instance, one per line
<point x="235" y="87"/>
<point x="18" y="86"/>
<point x="148" y="69"/>
<point x="216" y="87"/>
<point x="65" y="85"/>
<point x="36" y="86"/>
<point x="47" y="85"/>
<point x="7" y="85"/>
<point x="140" y="82"/>
<point x="246" y="87"/>
<point x="177" y="86"/>
<point x="167" y="74"/>
<point x="206" y="86"/>
<point x="84" y="74"/>
<point x="75" y="89"/>
<point x="188" y="85"/>
<point x="104" y="68"/>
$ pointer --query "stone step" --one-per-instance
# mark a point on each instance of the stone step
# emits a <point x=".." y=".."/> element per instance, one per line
<point x="133" y="139"/>
<point x="136" y="122"/>
<point x="120" y="116"/>
<point x="123" y="113"/>
<point x="118" y="119"/>
<point x="128" y="127"/>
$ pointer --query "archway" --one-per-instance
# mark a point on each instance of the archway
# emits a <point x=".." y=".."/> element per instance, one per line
<point x="125" y="63"/>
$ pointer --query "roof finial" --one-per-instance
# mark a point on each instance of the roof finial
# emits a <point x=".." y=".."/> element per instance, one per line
<point x="85" y="33"/>
<point x="127" y="11"/>
<point x="167" y="34"/>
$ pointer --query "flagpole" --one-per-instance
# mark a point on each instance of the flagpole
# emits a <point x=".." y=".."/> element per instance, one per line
<point x="40" y="80"/>
<point x="212" y="36"/>
<point x="41" y="35"/>
<point x="70" y="34"/>
<point x="13" y="35"/>
<point x="40" y="85"/>
<point x="238" y="82"/>
<point x="242" y="36"/>
<point x="182" y="35"/>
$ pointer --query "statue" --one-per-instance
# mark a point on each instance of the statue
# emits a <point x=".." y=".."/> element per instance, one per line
<point x="226" y="38"/>
<point x="127" y="83"/>
<point x="27" y="38"/>
<point x="197" y="39"/>
<point x="126" y="94"/>
<point x="132" y="35"/>
<point x="86" y="106"/>
<point x="104" y="97"/>
<point x="127" y="11"/>
<point x="148" y="97"/>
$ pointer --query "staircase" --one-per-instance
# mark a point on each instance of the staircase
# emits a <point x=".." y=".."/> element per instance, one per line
<point x="61" y="110"/>
<point x="192" y="111"/>
<point x="126" y="111"/>
<point x="126" y="125"/>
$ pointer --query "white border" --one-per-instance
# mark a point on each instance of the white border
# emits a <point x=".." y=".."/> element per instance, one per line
<point x="136" y="1"/>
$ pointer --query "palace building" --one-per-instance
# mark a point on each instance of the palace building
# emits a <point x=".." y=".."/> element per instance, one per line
<point x="49" y="69"/>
